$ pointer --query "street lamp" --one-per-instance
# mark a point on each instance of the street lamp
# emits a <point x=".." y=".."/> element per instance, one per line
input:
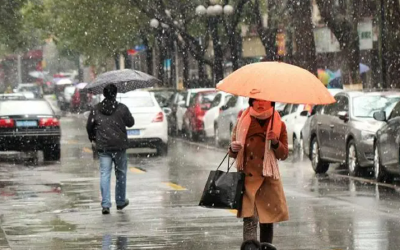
<point x="214" y="11"/>
<point x="154" y="23"/>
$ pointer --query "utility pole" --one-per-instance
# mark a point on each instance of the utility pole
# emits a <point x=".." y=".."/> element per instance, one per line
<point x="19" y="69"/>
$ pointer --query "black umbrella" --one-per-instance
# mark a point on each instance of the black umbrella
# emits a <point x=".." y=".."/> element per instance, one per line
<point x="126" y="80"/>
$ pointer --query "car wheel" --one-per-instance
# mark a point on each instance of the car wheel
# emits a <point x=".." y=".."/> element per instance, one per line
<point x="52" y="152"/>
<point x="351" y="158"/>
<point x="379" y="172"/>
<point x="162" y="149"/>
<point x="319" y="166"/>
<point x="217" y="141"/>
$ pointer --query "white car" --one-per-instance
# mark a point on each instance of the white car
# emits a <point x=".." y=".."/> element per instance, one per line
<point x="184" y="104"/>
<point x="229" y="117"/>
<point x="151" y="126"/>
<point x="295" y="116"/>
<point x="211" y="116"/>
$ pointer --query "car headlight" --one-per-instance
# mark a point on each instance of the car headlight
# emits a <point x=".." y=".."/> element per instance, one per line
<point x="367" y="135"/>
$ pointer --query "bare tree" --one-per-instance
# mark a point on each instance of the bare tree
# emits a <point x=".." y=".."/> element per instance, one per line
<point x="302" y="30"/>
<point x="342" y="20"/>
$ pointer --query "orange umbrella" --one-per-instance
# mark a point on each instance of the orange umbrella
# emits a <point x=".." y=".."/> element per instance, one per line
<point x="277" y="82"/>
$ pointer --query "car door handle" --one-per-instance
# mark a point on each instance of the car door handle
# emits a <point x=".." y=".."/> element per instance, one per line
<point x="332" y="126"/>
<point x="319" y="123"/>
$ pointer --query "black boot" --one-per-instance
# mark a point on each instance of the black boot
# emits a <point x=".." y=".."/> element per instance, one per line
<point x="250" y="245"/>
<point x="123" y="206"/>
<point x="267" y="246"/>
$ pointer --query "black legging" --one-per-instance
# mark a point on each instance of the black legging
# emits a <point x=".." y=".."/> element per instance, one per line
<point x="266" y="232"/>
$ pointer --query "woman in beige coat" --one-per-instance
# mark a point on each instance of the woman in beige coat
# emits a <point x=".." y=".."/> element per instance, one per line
<point x="264" y="200"/>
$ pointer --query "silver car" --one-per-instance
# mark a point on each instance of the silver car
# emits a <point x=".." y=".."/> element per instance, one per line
<point x="344" y="132"/>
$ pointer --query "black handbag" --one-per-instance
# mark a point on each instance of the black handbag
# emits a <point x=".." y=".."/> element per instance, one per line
<point x="223" y="190"/>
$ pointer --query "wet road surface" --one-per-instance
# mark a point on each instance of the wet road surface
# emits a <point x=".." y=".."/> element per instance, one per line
<point x="57" y="205"/>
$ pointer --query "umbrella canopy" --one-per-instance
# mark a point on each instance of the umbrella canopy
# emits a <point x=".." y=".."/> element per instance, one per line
<point x="64" y="81"/>
<point x="126" y="80"/>
<point x="278" y="82"/>
<point x="81" y="85"/>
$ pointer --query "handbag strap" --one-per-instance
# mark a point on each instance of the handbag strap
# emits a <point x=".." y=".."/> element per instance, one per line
<point x="229" y="165"/>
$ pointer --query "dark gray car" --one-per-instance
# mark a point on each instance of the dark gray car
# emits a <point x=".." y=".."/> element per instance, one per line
<point x="344" y="131"/>
<point x="387" y="144"/>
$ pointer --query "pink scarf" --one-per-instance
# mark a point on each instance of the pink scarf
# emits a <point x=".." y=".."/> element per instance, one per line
<point x="270" y="165"/>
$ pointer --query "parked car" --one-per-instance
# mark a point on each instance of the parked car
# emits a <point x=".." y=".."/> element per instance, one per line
<point x="30" y="90"/>
<point x="30" y="125"/>
<point x="151" y="126"/>
<point x="12" y="96"/>
<point x="163" y="95"/>
<point x="193" y="120"/>
<point x="295" y="117"/>
<point x="344" y="132"/>
<point x="305" y="135"/>
<point x="211" y="116"/>
<point x="228" y="118"/>
<point x="173" y="104"/>
<point x="183" y="105"/>
<point x="387" y="144"/>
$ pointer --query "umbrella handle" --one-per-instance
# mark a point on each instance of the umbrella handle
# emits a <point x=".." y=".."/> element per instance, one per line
<point x="272" y="122"/>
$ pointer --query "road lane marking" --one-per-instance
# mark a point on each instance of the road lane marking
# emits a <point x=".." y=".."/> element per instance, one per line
<point x="72" y="142"/>
<point x="87" y="150"/>
<point x="175" y="186"/>
<point x="232" y="211"/>
<point x="136" y="170"/>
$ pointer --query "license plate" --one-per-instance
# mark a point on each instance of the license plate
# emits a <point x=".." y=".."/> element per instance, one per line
<point x="134" y="132"/>
<point x="27" y="124"/>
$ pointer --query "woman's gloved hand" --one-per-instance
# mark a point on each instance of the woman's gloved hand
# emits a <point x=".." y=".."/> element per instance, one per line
<point x="272" y="137"/>
<point x="236" y="146"/>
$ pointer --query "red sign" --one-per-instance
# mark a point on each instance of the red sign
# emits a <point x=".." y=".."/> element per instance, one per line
<point x="131" y="52"/>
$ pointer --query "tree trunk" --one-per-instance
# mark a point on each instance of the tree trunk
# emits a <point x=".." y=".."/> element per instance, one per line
<point x="390" y="46"/>
<point x="267" y="35"/>
<point x="218" y="53"/>
<point x="161" y="57"/>
<point x="149" y="55"/>
<point x="345" y="30"/>
<point x="303" y="35"/>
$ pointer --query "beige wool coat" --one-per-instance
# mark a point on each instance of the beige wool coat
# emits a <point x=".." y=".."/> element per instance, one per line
<point x="262" y="193"/>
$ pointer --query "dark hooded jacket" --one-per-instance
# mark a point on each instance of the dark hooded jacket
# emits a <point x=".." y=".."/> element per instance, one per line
<point x="107" y="124"/>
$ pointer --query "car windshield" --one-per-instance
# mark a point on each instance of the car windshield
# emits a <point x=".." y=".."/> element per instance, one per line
<point x="137" y="101"/>
<point x="366" y="106"/>
<point x="29" y="89"/>
<point x="70" y="90"/>
<point x="25" y="108"/>
<point x="207" y="98"/>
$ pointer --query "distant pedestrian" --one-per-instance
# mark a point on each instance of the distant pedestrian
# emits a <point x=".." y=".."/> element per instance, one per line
<point x="106" y="127"/>
<point x="264" y="201"/>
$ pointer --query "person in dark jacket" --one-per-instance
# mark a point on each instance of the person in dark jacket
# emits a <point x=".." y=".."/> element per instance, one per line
<point x="106" y="127"/>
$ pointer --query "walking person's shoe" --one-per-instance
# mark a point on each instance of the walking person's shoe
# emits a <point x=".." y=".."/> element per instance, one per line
<point x="106" y="210"/>
<point x="250" y="245"/>
<point x="123" y="206"/>
<point x="267" y="246"/>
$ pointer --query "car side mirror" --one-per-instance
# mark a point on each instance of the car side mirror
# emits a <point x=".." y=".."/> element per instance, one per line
<point x="182" y="104"/>
<point x="380" y="116"/>
<point x="167" y="111"/>
<point x="225" y="107"/>
<point x="304" y="113"/>
<point x="281" y="113"/>
<point x="343" y="115"/>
